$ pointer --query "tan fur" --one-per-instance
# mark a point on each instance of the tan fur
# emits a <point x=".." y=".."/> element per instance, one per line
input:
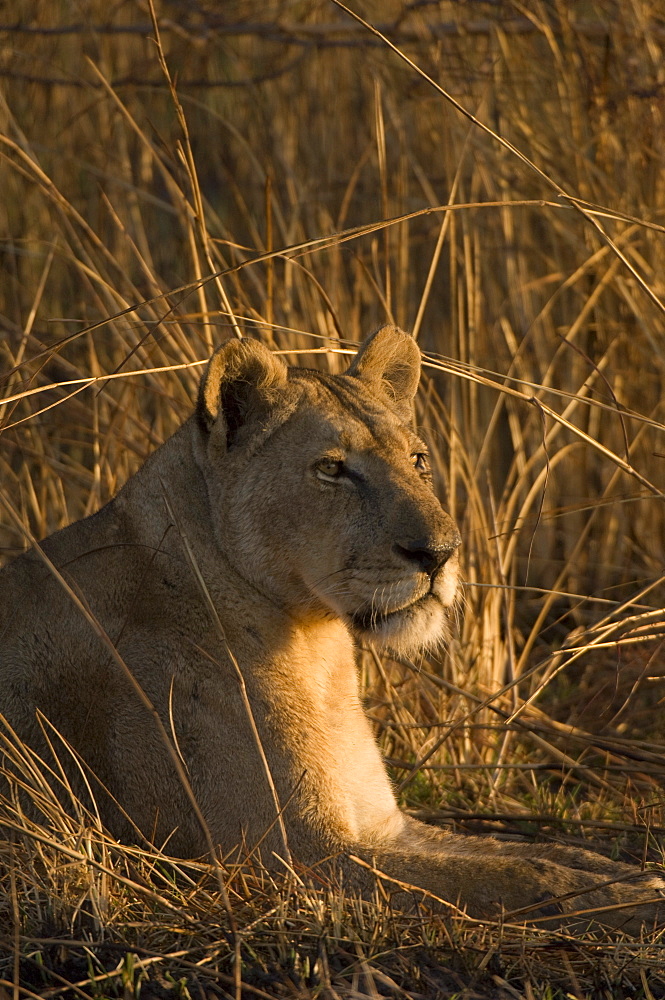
<point x="288" y="517"/>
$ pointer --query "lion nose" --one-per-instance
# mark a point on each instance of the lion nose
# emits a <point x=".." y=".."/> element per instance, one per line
<point x="429" y="558"/>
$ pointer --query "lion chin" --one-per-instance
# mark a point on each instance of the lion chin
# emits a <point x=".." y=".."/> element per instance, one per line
<point x="416" y="628"/>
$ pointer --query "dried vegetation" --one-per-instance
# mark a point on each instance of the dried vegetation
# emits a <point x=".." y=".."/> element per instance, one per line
<point x="299" y="180"/>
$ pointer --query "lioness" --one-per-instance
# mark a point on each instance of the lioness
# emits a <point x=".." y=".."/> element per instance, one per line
<point x="193" y="641"/>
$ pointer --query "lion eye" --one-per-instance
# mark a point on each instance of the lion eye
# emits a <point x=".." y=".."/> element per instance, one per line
<point x="329" y="469"/>
<point x="420" y="461"/>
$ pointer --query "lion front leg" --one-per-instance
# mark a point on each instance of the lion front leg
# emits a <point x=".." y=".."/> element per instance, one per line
<point x="589" y="879"/>
<point x="519" y="889"/>
<point x="544" y="883"/>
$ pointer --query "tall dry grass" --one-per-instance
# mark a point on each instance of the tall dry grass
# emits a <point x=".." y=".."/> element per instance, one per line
<point x="300" y="181"/>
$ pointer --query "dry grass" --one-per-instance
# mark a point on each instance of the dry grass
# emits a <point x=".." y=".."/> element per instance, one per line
<point x="140" y="228"/>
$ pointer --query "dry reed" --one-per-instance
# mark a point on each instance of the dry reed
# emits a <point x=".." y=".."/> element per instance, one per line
<point x="298" y="180"/>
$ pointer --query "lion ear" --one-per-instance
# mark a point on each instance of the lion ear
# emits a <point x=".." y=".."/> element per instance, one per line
<point x="390" y="358"/>
<point x="241" y="383"/>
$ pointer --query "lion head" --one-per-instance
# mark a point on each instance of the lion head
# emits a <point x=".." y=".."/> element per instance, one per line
<point x="321" y="493"/>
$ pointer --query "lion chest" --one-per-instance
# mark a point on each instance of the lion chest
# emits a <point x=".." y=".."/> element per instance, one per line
<point x="327" y="737"/>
